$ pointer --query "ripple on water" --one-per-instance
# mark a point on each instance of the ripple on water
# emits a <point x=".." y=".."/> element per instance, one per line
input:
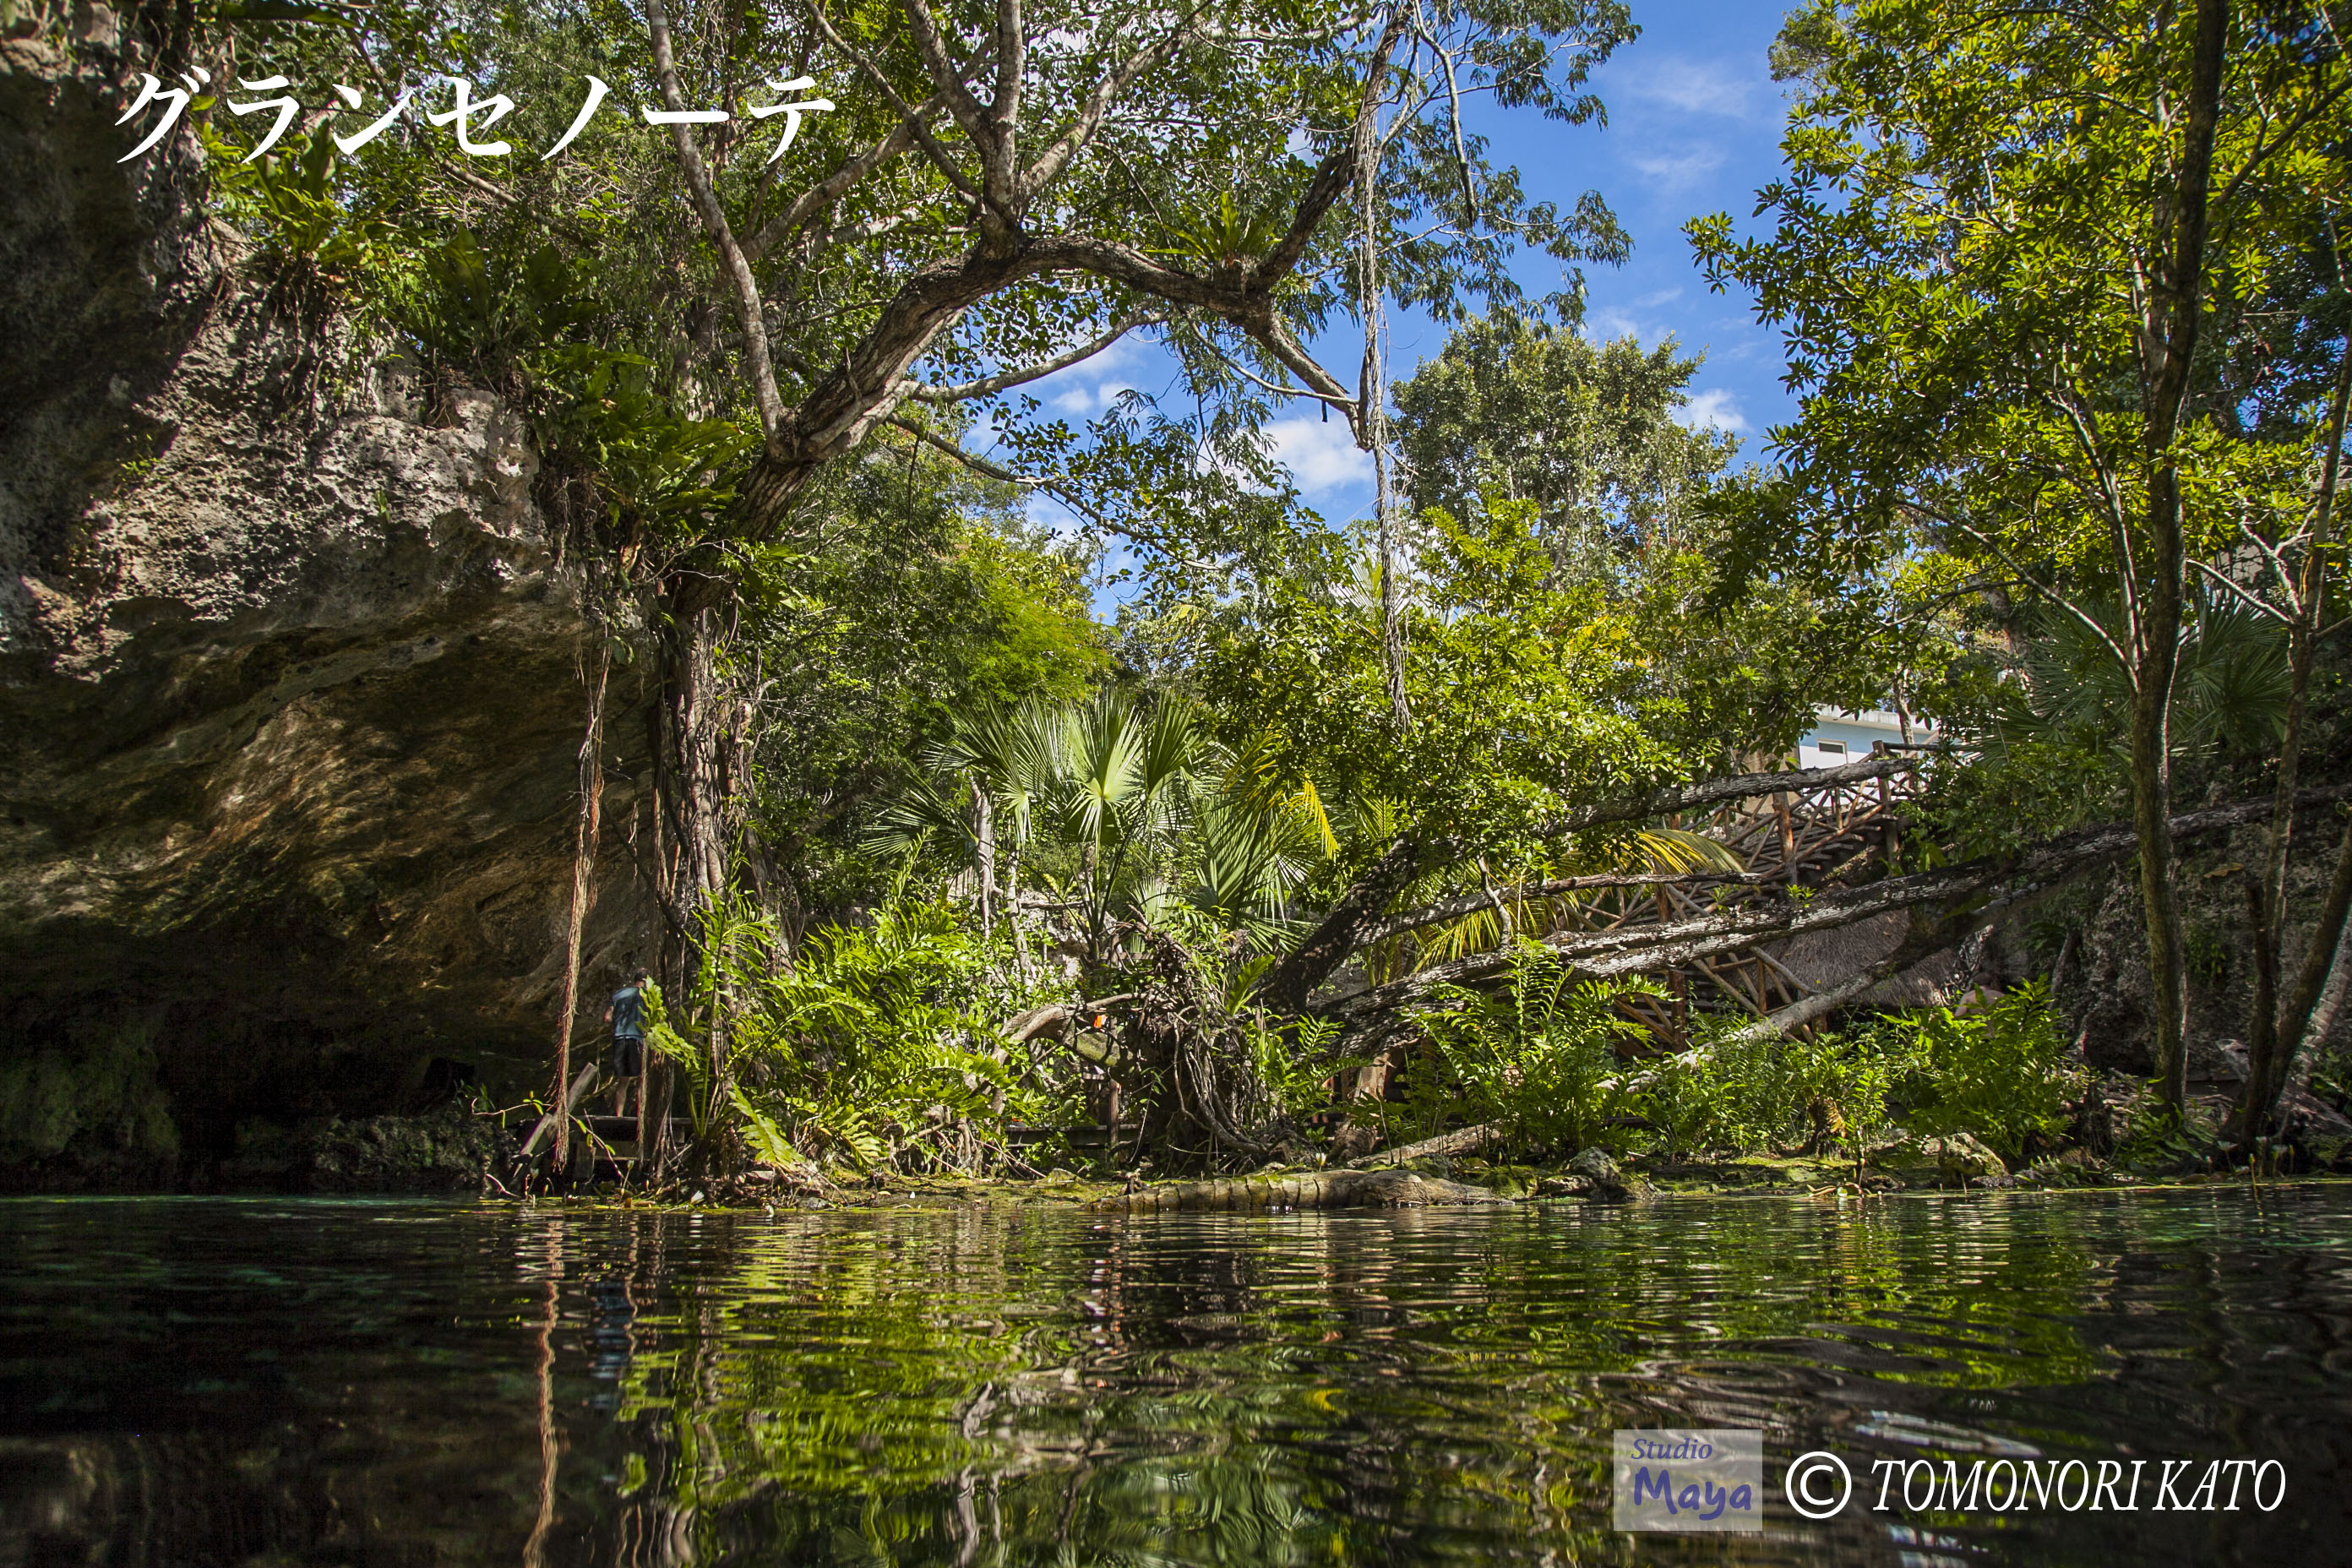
<point x="201" y="1381"/>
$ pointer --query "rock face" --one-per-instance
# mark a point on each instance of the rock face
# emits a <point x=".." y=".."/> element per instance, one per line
<point x="291" y="679"/>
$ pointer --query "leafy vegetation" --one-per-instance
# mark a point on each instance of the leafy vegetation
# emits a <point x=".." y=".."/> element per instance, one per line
<point x="1539" y="1057"/>
<point x="1542" y="1057"/>
<point x="871" y="1048"/>
<point x="2062" y="299"/>
<point x="2005" y="1075"/>
<point x="1739" y="1089"/>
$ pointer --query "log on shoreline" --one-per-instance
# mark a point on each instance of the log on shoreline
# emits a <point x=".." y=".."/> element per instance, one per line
<point x="1306" y="1190"/>
<point x="1466" y="1141"/>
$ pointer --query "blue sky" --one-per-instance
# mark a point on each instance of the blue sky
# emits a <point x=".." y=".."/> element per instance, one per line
<point x="1694" y="127"/>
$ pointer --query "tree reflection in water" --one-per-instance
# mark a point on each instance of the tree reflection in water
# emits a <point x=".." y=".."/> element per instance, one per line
<point x="1017" y="1386"/>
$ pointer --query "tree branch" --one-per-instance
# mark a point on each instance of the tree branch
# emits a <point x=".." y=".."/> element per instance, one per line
<point x="818" y="197"/>
<point x="972" y="460"/>
<point x="949" y="79"/>
<point x="1011" y="70"/>
<point x="2240" y="592"/>
<point x="914" y="119"/>
<point x="1069" y="143"/>
<point x="1345" y="403"/>
<point x="872" y="378"/>
<point x="750" y="312"/>
<point x="989" y="385"/>
<point x="1633" y="949"/>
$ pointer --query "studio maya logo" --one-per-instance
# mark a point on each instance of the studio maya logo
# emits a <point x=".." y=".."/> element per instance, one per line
<point x="1691" y="1479"/>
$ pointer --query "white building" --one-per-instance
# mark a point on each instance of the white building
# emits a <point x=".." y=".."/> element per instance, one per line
<point x="1837" y="738"/>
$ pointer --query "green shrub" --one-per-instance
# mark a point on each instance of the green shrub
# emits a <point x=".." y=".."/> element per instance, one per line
<point x="1739" y="1087"/>
<point x="1296" y="1063"/>
<point x="2331" y="1076"/>
<point x="1539" y="1057"/>
<point x="2002" y="1075"/>
<point x="869" y="1046"/>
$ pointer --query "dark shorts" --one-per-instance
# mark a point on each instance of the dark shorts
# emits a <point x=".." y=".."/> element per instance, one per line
<point x="629" y="1056"/>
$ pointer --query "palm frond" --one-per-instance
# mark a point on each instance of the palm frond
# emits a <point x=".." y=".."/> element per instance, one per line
<point x="1680" y="852"/>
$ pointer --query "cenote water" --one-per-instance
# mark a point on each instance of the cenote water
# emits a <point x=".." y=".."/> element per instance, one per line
<point x="193" y="1380"/>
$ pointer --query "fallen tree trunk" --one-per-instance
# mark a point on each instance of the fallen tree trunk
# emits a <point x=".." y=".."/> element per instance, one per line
<point x="1634" y="950"/>
<point x="1465" y="1140"/>
<point x="1472" y="904"/>
<point x="1310" y="1189"/>
<point x="1357" y="915"/>
<point x="1348" y="925"/>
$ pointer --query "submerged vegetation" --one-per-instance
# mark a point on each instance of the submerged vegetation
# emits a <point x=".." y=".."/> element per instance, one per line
<point x="1194" y="830"/>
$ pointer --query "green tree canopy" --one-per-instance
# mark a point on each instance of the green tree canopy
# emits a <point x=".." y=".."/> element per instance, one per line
<point x="1529" y="412"/>
<point x="2005" y="261"/>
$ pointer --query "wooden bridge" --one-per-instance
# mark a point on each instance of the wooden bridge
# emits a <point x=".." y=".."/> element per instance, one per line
<point x="1812" y="839"/>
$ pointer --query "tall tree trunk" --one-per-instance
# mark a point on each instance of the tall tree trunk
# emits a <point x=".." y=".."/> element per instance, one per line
<point x="1371" y="426"/>
<point x="2275" y="1034"/>
<point x="2151" y="762"/>
<point x="694" y="754"/>
<point x="2177" y="309"/>
<point x="1012" y="907"/>
<point x="2306" y="1015"/>
<point x="984" y="834"/>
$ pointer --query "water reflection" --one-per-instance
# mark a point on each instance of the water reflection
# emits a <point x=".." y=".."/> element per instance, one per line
<point x="242" y="1381"/>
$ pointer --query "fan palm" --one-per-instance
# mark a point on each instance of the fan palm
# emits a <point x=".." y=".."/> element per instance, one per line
<point x="1147" y="814"/>
<point x="2231" y="688"/>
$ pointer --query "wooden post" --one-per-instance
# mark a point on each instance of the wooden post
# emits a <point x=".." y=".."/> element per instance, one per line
<point x="558" y="1115"/>
<point x="1891" y="830"/>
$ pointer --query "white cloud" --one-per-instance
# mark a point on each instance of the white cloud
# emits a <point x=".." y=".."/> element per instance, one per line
<point x="1636" y="318"/>
<point x="1079" y="400"/>
<point x="1673" y="171"/>
<point x="1715" y="407"/>
<point x="1720" y="88"/>
<point x="1086" y="388"/>
<point x="1043" y="512"/>
<point x="1608" y="324"/>
<point x="1321" y="457"/>
<point x="1126" y="353"/>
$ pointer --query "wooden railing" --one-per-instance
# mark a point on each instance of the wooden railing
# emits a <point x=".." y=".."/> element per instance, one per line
<point x="1814" y="839"/>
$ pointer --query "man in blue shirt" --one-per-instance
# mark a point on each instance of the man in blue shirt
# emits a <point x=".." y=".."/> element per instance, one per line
<point x="627" y="1015"/>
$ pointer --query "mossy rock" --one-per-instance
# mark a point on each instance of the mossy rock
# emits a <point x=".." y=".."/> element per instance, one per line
<point x="1510" y="1181"/>
<point x="1951" y="1160"/>
<point x="1310" y="1190"/>
<point x="446" y="1151"/>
